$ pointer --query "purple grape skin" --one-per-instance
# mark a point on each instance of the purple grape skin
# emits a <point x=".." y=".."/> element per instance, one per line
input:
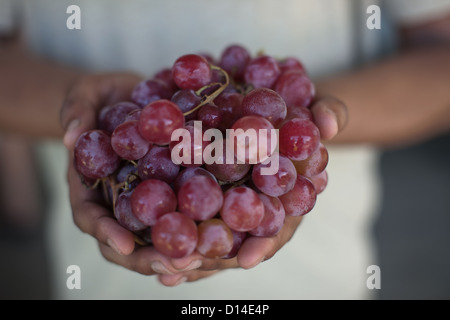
<point x="157" y="164"/>
<point x="127" y="141"/>
<point x="150" y="90"/>
<point x="273" y="219"/>
<point x="186" y="100"/>
<point x="94" y="156"/>
<point x="124" y="214"/>
<point x="189" y="173"/>
<point x="200" y="198"/>
<point x="111" y="116"/>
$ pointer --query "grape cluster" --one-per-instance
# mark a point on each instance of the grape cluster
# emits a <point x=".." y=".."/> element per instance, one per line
<point x="211" y="207"/>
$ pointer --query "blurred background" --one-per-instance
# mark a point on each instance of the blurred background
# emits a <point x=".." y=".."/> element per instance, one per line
<point x="408" y="197"/>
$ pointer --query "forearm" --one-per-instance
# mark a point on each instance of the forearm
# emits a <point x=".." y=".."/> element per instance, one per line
<point x="31" y="93"/>
<point x="401" y="100"/>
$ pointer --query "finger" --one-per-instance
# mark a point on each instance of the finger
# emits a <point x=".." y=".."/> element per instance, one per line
<point x="144" y="260"/>
<point x="197" y="261"/>
<point x="92" y="218"/>
<point x="190" y="276"/>
<point x="254" y="250"/>
<point x="330" y="116"/>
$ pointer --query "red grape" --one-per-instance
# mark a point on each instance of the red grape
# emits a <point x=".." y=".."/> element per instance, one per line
<point x="187" y="174"/>
<point x="301" y="199"/>
<point x="276" y="184"/>
<point x="200" y="198"/>
<point x="273" y="219"/>
<point x="158" y="164"/>
<point x="313" y="165"/>
<point x="128" y="143"/>
<point x="252" y="138"/>
<point x="291" y="64"/>
<point x="320" y="181"/>
<point x="227" y="172"/>
<point x="158" y="120"/>
<point x="191" y="141"/>
<point x="174" y="235"/>
<point x="238" y="239"/>
<point x="298" y="139"/>
<point x="186" y="100"/>
<point x="124" y="214"/>
<point x="262" y="72"/>
<point x="150" y="90"/>
<point x="111" y="116"/>
<point x="94" y="156"/>
<point x="151" y="199"/>
<point x="242" y="209"/>
<point x="265" y="103"/>
<point x="210" y="116"/>
<point x="296" y="88"/>
<point x="165" y="75"/>
<point x="215" y="239"/>
<point x="191" y="71"/>
<point x="234" y="59"/>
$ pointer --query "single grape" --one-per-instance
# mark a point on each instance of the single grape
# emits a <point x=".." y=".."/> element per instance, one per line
<point x="298" y="112"/>
<point x="291" y="64"/>
<point x="158" y="164"/>
<point x="175" y="235"/>
<point x="150" y="90"/>
<point x="186" y="100"/>
<point x="298" y="139"/>
<point x="320" y="181"/>
<point x="187" y="174"/>
<point x="242" y="209"/>
<point x="158" y="120"/>
<point x="262" y="72"/>
<point x="314" y="164"/>
<point x="227" y="172"/>
<point x="193" y="146"/>
<point x="165" y="75"/>
<point x="113" y="115"/>
<point x="273" y="219"/>
<point x="200" y="198"/>
<point x="230" y="105"/>
<point x="210" y="115"/>
<point x="233" y="60"/>
<point x="252" y="137"/>
<point x="301" y="199"/>
<point x="151" y="199"/>
<point x="191" y="71"/>
<point x="296" y="88"/>
<point x="215" y="239"/>
<point x="127" y="141"/>
<point x="278" y="183"/>
<point x="238" y="239"/>
<point x="94" y="156"/>
<point x="124" y="214"/>
<point x="266" y="103"/>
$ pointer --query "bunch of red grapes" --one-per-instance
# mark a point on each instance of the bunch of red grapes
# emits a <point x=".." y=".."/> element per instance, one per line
<point x="209" y="207"/>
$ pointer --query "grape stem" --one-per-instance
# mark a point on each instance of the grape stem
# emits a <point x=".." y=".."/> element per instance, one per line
<point x="210" y="98"/>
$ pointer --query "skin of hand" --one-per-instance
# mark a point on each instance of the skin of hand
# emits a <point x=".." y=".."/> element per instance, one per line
<point x="79" y="113"/>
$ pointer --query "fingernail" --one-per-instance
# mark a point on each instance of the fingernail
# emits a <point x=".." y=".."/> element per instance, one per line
<point x="257" y="262"/>
<point x="193" y="265"/>
<point x="158" y="267"/>
<point x="180" y="281"/>
<point x="113" y="246"/>
<point x="69" y="135"/>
